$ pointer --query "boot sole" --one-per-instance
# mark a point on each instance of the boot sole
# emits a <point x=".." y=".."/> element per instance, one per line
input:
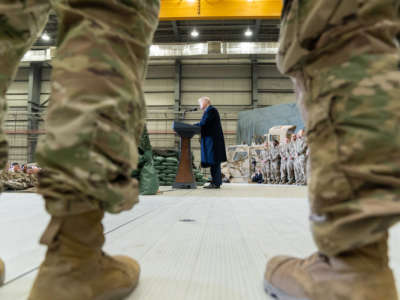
<point x="119" y="294"/>
<point x="278" y="294"/>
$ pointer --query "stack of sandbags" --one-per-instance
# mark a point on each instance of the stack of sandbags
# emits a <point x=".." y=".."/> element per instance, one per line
<point x="166" y="164"/>
<point x="167" y="168"/>
<point x="200" y="179"/>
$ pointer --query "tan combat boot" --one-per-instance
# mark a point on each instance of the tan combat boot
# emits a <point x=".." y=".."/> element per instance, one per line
<point x="75" y="268"/>
<point x="362" y="274"/>
<point x="2" y="272"/>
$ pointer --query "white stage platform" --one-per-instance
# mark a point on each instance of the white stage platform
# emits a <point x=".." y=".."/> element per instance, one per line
<point x="191" y="244"/>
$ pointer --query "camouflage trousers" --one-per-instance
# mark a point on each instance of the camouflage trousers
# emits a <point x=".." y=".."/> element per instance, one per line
<point x="344" y="57"/>
<point x="297" y="172"/>
<point x="353" y="121"/>
<point x="267" y="171"/>
<point x="290" y="171"/>
<point x="96" y="111"/>
<point x="302" y="168"/>
<point x="275" y="171"/>
<point x="283" y="170"/>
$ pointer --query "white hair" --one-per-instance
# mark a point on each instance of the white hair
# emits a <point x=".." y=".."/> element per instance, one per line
<point x="205" y="98"/>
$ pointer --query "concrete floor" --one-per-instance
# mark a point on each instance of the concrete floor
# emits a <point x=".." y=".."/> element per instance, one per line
<point x="220" y="254"/>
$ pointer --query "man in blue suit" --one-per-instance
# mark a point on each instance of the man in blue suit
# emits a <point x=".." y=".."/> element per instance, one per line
<point x="212" y="142"/>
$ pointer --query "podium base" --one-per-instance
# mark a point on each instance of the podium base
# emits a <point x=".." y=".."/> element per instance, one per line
<point x="183" y="185"/>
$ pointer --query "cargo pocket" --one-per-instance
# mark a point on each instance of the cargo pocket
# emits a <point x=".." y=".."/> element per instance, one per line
<point x="328" y="183"/>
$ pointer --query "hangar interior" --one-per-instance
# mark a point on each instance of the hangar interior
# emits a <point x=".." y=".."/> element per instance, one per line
<point x="191" y="244"/>
<point x="237" y="72"/>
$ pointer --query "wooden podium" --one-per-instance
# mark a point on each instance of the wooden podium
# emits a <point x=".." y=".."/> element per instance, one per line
<point x="184" y="178"/>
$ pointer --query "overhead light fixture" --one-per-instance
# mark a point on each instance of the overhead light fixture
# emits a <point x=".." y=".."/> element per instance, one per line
<point x="45" y="37"/>
<point x="248" y="32"/>
<point x="191" y="1"/>
<point x="194" y="33"/>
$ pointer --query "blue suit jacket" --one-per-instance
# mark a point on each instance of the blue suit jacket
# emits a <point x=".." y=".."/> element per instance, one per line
<point x="212" y="138"/>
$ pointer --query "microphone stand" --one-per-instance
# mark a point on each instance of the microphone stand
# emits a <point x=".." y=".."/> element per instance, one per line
<point x="188" y="110"/>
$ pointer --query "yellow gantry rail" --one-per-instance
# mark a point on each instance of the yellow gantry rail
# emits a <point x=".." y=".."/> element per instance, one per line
<point x="219" y="9"/>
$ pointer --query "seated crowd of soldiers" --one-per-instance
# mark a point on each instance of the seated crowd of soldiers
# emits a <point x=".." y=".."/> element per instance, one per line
<point x="285" y="162"/>
<point x="19" y="177"/>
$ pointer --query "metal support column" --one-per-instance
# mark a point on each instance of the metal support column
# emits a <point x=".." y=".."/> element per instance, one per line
<point x="177" y="93"/>
<point x="177" y="97"/>
<point x="257" y="27"/>
<point x="176" y="30"/>
<point x="254" y="83"/>
<point x="34" y="87"/>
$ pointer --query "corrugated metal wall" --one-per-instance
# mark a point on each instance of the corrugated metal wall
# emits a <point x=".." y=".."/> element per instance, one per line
<point x="229" y="85"/>
<point x="159" y="90"/>
<point x="16" y="122"/>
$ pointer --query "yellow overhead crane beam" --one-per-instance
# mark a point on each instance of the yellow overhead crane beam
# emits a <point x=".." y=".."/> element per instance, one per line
<point x="219" y="9"/>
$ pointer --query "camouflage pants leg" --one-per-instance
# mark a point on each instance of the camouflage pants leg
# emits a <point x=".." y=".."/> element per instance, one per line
<point x="353" y="133"/>
<point x="297" y="177"/>
<point x="20" y="24"/>
<point x="276" y="171"/>
<point x="302" y="169"/>
<point x="290" y="171"/>
<point x="269" y="172"/>
<point x="272" y="173"/>
<point x="265" y="173"/>
<point x="97" y="108"/>
<point x="284" y="174"/>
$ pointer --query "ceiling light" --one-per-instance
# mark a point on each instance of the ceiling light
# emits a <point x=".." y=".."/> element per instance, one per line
<point x="194" y="33"/>
<point x="191" y="1"/>
<point x="45" y="37"/>
<point x="248" y="33"/>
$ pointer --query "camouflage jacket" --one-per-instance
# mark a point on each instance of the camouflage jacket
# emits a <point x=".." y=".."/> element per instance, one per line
<point x="275" y="153"/>
<point x="292" y="150"/>
<point x="301" y="147"/>
<point x="267" y="155"/>
<point x="283" y="151"/>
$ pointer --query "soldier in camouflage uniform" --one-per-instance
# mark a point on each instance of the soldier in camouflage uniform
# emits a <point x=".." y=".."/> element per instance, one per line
<point x="267" y="164"/>
<point x="297" y="161"/>
<point x="33" y="173"/>
<point x="284" y="158"/>
<point x="290" y="163"/>
<point x="344" y="59"/>
<point x="275" y="163"/>
<point x="301" y="152"/>
<point x="16" y="179"/>
<point x="94" y="122"/>
<point x="293" y="159"/>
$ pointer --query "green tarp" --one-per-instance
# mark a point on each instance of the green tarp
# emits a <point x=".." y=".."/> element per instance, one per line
<point x="146" y="172"/>
<point x="257" y="122"/>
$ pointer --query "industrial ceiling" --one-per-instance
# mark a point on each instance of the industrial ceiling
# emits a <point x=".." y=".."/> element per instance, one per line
<point x="174" y="27"/>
